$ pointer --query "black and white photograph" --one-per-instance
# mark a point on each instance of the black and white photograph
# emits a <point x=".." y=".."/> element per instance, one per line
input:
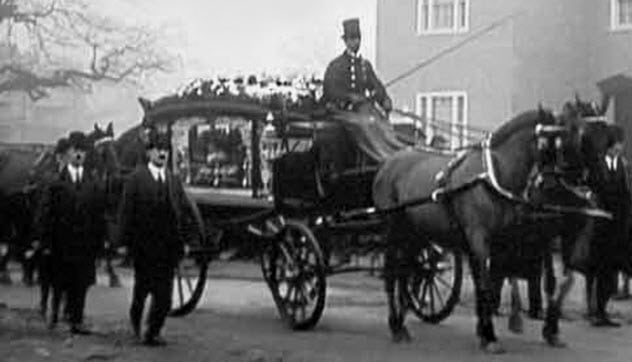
<point x="315" y="180"/>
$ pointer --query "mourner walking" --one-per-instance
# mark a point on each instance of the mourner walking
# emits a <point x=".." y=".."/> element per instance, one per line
<point x="611" y="249"/>
<point x="150" y="219"/>
<point x="43" y="257"/>
<point x="73" y="229"/>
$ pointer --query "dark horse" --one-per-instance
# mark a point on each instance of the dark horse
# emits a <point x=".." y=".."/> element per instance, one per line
<point x="575" y="231"/>
<point x="23" y="173"/>
<point x="21" y="170"/>
<point x="482" y="198"/>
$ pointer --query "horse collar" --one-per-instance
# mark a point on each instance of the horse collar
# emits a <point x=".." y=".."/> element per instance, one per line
<point x="490" y="174"/>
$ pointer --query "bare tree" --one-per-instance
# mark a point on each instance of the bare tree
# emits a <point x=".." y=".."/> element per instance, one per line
<point x="67" y="43"/>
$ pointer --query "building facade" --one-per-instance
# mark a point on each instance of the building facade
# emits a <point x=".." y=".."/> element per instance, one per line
<point x="477" y="63"/>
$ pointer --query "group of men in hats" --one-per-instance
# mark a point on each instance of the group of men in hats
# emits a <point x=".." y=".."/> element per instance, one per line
<point x="72" y="233"/>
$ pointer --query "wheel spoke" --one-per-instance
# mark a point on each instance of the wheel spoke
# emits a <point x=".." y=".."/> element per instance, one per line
<point x="189" y="284"/>
<point x="432" y="299"/>
<point x="439" y="296"/>
<point x="424" y="289"/>
<point x="181" y="293"/>
<point x="440" y="279"/>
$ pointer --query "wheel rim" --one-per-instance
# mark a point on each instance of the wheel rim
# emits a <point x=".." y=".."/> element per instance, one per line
<point x="190" y="273"/>
<point x="435" y="285"/>
<point x="188" y="284"/>
<point x="297" y="275"/>
<point x="293" y="268"/>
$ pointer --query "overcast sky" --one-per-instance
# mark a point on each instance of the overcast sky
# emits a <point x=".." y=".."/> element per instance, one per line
<point x="250" y="36"/>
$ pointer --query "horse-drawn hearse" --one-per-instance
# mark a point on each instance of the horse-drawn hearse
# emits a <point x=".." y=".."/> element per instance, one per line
<point x="314" y="186"/>
<point x="299" y="186"/>
<point x="304" y="183"/>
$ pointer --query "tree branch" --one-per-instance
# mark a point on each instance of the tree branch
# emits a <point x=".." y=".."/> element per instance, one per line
<point x="63" y="44"/>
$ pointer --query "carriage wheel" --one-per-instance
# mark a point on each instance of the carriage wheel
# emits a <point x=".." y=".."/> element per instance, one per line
<point x="294" y="268"/>
<point x="190" y="274"/>
<point x="435" y="286"/>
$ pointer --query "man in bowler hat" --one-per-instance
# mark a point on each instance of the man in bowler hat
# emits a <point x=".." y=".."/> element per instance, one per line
<point x="73" y="227"/>
<point x="150" y="220"/>
<point x="349" y="78"/>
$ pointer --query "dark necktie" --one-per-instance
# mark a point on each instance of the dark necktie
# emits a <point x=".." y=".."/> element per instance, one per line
<point x="162" y="185"/>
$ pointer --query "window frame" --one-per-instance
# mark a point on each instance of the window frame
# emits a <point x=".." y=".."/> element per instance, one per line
<point x="614" y="18"/>
<point x="461" y="139"/>
<point x="432" y="30"/>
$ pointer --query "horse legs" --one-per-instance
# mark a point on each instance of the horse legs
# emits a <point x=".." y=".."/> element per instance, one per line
<point x="44" y="294"/>
<point x="395" y="284"/>
<point x="534" y="283"/>
<point x="479" y="263"/>
<point x="54" y="317"/>
<point x="498" y="280"/>
<point x="115" y="282"/>
<point x="5" y="276"/>
<point x="515" y="322"/>
<point x="590" y="293"/>
<point x="555" y="299"/>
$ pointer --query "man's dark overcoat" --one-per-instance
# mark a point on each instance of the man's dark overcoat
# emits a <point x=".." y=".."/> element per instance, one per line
<point x="73" y="227"/>
<point x="152" y="235"/>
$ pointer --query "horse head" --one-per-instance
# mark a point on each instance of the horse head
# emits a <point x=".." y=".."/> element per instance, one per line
<point x="589" y="133"/>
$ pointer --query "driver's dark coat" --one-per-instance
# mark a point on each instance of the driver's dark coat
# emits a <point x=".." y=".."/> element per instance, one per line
<point x="152" y="252"/>
<point x="72" y="222"/>
<point x="348" y="75"/>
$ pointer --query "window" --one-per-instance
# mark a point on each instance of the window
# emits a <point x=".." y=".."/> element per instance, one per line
<point x="621" y="14"/>
<point x="445" y="115"/>
<point x="442" y="16"/>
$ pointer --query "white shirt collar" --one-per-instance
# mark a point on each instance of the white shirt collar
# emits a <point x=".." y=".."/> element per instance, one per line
<point x="158" y="173"/>
<point x="611" y="161"/>
<point x="76" y="173"/>
<point x="353" y="55"/>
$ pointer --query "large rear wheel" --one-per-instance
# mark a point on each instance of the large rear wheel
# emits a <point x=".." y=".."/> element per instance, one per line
<point x="190" y="274"/>
<point x="294" y="269"/>
<point x="435" y="286"/>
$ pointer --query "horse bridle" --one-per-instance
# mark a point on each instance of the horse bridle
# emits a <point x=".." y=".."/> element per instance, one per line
<point x="489" y="176"/>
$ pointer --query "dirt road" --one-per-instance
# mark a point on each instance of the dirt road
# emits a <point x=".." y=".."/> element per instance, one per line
<point x="236" y="321"/>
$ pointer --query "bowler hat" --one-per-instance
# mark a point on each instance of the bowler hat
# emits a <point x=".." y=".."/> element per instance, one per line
<point x="62" y="145"/>
<point x="351" y="28"/>
<point x="615" y="134"/>
<point x="78" y="140"/>
<point x="158" y="140"/>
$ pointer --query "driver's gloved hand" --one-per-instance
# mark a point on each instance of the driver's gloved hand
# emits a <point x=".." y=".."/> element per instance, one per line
<point x="356" y="99"/>
<point x="387" y="105"/>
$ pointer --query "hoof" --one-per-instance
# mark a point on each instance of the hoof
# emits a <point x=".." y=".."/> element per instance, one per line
<point x="402" y="336"/>
<point x="536" y="315"/>
<point x="555" y="341"/>
<point x="515" y="324"/>
<point x="5" y="279"/>
<point x="492" y="348"/>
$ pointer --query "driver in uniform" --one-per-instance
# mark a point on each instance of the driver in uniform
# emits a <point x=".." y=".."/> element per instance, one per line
<point x="350" y="84"/>
<point x="350" y="79"/>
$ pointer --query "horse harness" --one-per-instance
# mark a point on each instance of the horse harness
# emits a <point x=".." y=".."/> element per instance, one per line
<point x="550" y="155"/>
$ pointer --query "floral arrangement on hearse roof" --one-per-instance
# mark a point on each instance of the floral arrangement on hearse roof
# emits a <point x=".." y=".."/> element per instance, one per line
<point x="300" y="93"/>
